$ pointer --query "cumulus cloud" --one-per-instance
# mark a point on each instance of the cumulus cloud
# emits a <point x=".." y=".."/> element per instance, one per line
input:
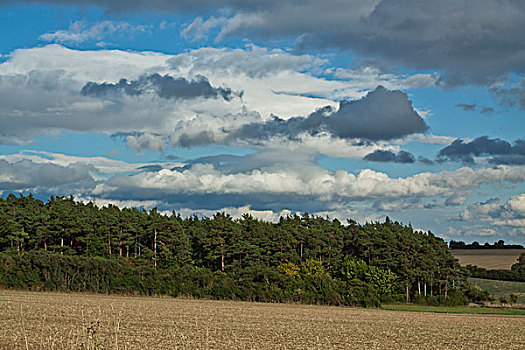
<point x="502" y="151"/>
<point x="511" y="213"/>
<point x="25" y="174"/>
<point x="163" y="86"/>
<point x="296" y="181"/>
<point x="155" y="101"/>
<point x="140" y="142"/>
<point x="264" y="180"/>
<point x="389" y="156"/>
<point x="380" y="115"/>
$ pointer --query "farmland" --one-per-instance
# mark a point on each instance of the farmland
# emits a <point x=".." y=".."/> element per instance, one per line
<point x="80" y="321"/>
<point x="502" y="288"/>
<point x="494" y="259"/>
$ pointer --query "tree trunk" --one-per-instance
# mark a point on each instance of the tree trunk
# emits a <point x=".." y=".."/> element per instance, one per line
<point x="418" y="286"/>
<point x="155" y="248"/>
<point x="425" y="288"/>
<point x="222" y="257"/>
<point x="301" y="250"/>
<point x="408" y="294"/>
<point x="120" y="242"/>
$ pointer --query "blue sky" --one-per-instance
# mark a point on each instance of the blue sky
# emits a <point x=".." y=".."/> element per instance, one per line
<point x="355" y="109"/>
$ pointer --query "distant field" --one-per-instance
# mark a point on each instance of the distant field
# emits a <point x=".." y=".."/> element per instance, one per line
<point x="76" y="321"/>
<point x="502" y="288"/>
<point x="494" y="259"/>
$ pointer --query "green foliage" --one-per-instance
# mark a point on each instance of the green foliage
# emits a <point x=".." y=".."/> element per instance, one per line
<point x="384" y="283"/>
<point x="67" y="245"/>
<point x="452" y="309"/>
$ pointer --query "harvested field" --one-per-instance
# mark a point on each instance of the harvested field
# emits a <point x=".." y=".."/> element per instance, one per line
<point x="76" y="321"/>
<point x="494" y="259"/>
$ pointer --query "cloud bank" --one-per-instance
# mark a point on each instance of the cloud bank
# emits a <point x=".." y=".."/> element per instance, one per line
<point x="501" y="151"/>
<point x="471" y="41"/>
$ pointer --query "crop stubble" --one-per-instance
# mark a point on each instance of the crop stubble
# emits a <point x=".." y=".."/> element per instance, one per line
<point x="79" y="321"/>
<point x="497" y="259"/>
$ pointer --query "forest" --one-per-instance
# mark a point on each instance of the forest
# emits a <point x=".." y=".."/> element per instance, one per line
<point x="67" y="245"/>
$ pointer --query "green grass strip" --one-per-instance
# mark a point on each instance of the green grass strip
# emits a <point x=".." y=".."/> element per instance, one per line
<point x="452" y="309"/>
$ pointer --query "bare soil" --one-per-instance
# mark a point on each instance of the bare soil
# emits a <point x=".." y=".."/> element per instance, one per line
<point x="78" y="321"/>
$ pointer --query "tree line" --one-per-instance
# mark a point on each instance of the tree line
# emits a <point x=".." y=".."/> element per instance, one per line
<point x="476" y="245"/>
<point x="516" y="272"/>
<point x="63" y="244"/>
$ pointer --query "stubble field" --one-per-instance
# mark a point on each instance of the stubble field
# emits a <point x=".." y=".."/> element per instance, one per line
<point x="77" y="321"/>
<point x="493" y="259"/>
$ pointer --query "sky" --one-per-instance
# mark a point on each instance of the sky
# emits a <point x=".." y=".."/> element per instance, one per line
<point x="351" y="109"/>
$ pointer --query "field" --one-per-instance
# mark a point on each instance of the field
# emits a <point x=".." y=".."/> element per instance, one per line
<point x="494" y="259"/>
<point x="502" y="288"/>
<point x="76" y="321"/>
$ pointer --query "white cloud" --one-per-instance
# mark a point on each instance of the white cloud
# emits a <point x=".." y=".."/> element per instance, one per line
<point x="80" y="31"/>
<point x="40" y="94"/>
<point x="511" y="213"/>
<point x="305" y="179"/>
<point x="101" y="165"/>
<point x="102" y="202"/>
<point x="237" y="213"/>
<point x="516" y="204"/>
<point x="363" y="77"/>
<point x="428" y="139"/>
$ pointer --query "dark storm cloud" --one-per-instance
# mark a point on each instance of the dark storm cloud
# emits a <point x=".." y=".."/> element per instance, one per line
<point x="503" y="151"/>
<point x="471" y="41"/>
<point x="27" y="174"/>
<point x="164" y="86"/>
<point x="388" y="156"/>
<point x="381" y="115"/>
